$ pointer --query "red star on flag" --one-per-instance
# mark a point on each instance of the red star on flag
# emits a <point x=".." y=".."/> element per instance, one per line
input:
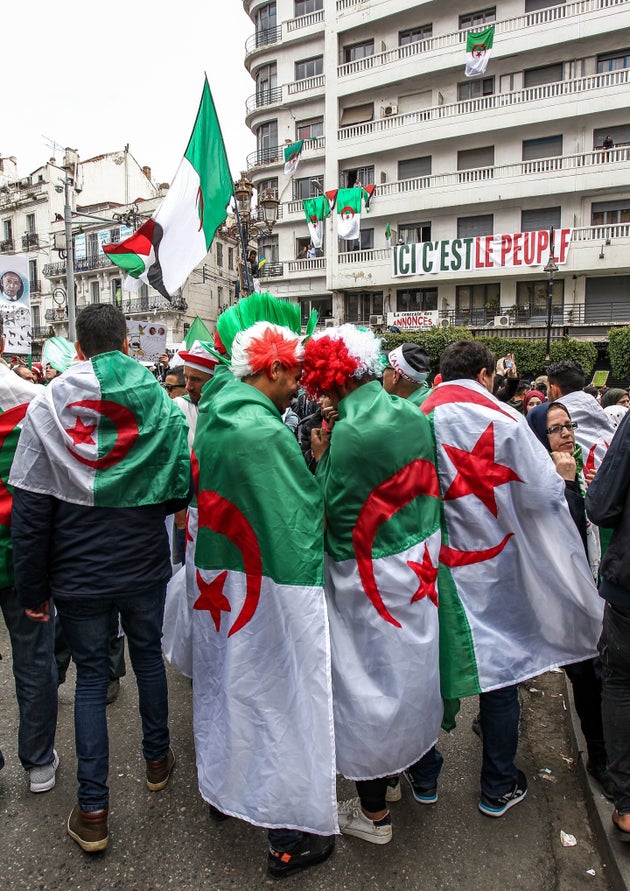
<point x="427" y="574"/>
<point x="82" y="433"/>
<point x="477" y="471"/>
<point x="212" y="597"/>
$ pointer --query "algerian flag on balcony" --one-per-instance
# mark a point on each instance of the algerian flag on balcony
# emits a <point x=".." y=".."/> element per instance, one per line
<point x="292" y="155"/>
<point x="478" y="49"/>
<point x="316" y="210"/>
<point x="349" y="213"/>
<point x="166" y="249"/>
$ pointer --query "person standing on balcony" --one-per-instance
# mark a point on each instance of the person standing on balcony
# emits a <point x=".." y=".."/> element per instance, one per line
<point x="607" y="145"/>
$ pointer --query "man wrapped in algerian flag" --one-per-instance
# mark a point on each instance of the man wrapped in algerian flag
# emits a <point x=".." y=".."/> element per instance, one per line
<point x="381" y="496"/>
<point x="262" y="693"/>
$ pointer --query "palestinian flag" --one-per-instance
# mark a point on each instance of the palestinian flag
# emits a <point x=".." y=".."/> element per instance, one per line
<point x="381" y="496"/>
<point x="517" y="596"/>
<point x="15" y="395"/>
<point x="166" y="249"/>
<point x="104" y="434"/>
<point x="349" y="213"/>
<point x="316" y="210"/>
<point x="262" y="696"/>
<point x="292" y="155"/>
<point x="478" y="50"/>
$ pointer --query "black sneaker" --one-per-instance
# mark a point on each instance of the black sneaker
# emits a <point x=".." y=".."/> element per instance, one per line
<point x="496" y="807"/>
<point x="602" y="778"/>
<point x="422" y="794"/>
<point x="310" y="850"/>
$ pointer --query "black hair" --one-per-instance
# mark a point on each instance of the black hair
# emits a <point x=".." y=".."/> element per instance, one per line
<point x="568" y="375"/>
<point x="101" y="328"/>
<point x="465" y="359"/>
<point x="177" y="372"/>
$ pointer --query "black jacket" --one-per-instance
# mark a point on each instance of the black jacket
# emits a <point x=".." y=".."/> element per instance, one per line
<point x="608" y="505"/>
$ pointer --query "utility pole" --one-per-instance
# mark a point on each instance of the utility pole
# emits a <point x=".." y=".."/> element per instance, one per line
<point x="68" y="183"/>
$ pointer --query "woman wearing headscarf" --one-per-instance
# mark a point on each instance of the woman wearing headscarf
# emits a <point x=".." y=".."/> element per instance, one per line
<point x="552" y="425"/>
<point x="531" y="399"/>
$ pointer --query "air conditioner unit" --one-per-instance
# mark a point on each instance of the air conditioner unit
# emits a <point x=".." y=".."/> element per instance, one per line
<point x="331" y="323"/>
<point x="389" y="110"/>
<point x="445" y="323"/>
<point x="376" y="320"/>
<point x="502" y="321"/>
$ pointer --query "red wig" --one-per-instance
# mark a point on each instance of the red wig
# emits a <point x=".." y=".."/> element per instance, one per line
<point x="271" y="346"/>
<point x="327" y="365"/>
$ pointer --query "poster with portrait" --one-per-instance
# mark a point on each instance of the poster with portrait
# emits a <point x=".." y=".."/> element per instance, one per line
<point x="147" y="340"/>
<point x="15" y="304"/>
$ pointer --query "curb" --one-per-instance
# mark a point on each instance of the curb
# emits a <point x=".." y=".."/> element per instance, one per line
<point x="599" y="809"/>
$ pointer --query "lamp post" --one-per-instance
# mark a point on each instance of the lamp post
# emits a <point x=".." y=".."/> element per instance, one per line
<point x="551" y="268"/>
<point x="251" y="223"/>
<point x="68" y="182"/>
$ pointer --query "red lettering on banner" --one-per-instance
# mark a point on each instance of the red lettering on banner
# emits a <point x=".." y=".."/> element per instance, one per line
<point x="529" y="247"/>
<point x="517" y="249"/>
<point x="479" y="264"/>
<point x="565" y="241"/>
<point x="506" y="247"/>
<point x="542" y="244"/>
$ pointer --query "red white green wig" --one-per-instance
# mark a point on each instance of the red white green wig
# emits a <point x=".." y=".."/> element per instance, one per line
<point x="335" y="355"/>
<point x="255" y="349"/>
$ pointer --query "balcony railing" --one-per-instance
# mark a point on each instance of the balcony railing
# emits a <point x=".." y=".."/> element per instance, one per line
<point x="351" y="258"/>
<point x="35" y="286"/>
<point x="307" y="265"/>
<point x="152" y="303"/>
<point x="102" y="261"/>
<point x="539" y="95"/>
<point x="271" y="270"/>
<point x="304" y="21"/>
<point x="7" y="246"/>
<point x="265" y="37"/>
<point x="528" y="22"/>
<point x="263" y="98"/>
<point x="307" y="85"/>
<point x="56" y="315"/>
<point x="30" y="240"/>
<point x="41" y="332"/>
<point x="275" y="154"/>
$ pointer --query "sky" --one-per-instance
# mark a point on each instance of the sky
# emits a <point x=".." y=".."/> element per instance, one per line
<point x="96" y="77"/>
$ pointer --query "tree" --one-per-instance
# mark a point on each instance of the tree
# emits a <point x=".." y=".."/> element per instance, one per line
<point x="619" y="352"/>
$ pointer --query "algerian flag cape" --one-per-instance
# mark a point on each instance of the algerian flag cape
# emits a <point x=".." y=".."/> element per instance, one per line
<point x="292" y="157"/>
<point x="59" y="352"/>
<point x="262" y="696"/>
<point x="478" y="50"/>
<point x="594" y="431"/>
<point x="316" y="210"/>
<point x="517" y="596"/>
<point x="166" y="249"/>
<point x="104" y="434"/>
<point x="383" y="543"/>
<point x="349" y="213"/>
<point x="15" y="395"/>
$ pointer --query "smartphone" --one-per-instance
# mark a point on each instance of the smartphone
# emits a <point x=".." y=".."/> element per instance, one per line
<point x="509" y="363"/>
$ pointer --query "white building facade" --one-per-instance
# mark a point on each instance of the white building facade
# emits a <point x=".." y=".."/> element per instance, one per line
<point x="377" y="90"/>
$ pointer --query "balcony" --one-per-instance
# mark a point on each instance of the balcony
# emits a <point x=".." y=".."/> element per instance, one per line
<point x="564" y="14"/>
<point x="35" y="286"/>
<point x="55" y="270"/>
<point x="265" y="157"/>
<point x="271" y="270"/>
<point x="56" y="315"/>
<point x="30" y="241"/>
<point x="7" y="246"/>
<point x="41" y="332"/>
<point x="305" y="21"/>
<point x="537" y="98"/>
<point x="312" y="85"/>
<point x="261" y="39"/>
<point x="152" y="303"/>
<point x="308" y="266"/>
<point x="263" y="99"/>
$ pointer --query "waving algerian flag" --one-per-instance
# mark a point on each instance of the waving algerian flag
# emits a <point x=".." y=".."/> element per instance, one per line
<point x="478" y="50"/>
<point x="292" y="155"/>
<point x="349" y="213"/>
<point x="262" y="695"/>
<point x="316" y="210"/>
<point x="381" y="497"/>
<point x="388" y="235"/>
<point x="104" y="434"/>
<point x="516" y="592"/>
<point x="166" y="249"/>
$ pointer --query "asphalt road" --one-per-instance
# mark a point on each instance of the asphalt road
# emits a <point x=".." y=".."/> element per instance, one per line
<point x="167" y="840"/>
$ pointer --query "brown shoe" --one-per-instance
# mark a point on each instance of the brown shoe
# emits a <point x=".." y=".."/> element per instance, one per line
<point x="88" y="829"/>
<point x="158" y="772"/>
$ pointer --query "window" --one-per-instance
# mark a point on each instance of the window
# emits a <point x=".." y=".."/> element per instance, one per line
<point x="116" y="291"/>
<point x="32" y="275"/>
<point x="95" y="294"/>
<point x="357" y="175"/>
<point x="613" y="61"/>
<point x="469" y="227"/>
<point x="548" y="74"/>
<point x="413" y="35"/>
<point x="309" y="67"/>
<point x="219" y="254"/>
<point x="356" y="51"/>
<point x="474" y="89"/>
<point x="266" y="25"/>
<point x="30" y="223"/>
<point x="266" y="84"/>
<point x="416" y="299"/>
<point x="220" y="295"/>
<point x="114" y="236"/>
<point x="308" y="187"/>
<point x="476" y="299"/>
<point x="541" y="218"/>
<point x="414" y="233"/>
<point x="35" y="317"/>
<point x="269" y="249"/>
<point x="267" y="142"/>
<point x="303" y="7"/>
<point x="608" y="213"/>
<point x="475" y="19"/>
<point x="271" y="183"/>
<point x="620" y="135"/>
<point x="413" y="168"/>
<point x="7" y="227"/>
<point x="471" y="159"/>
<point x="533" y="5"/>
<point x="92" y="245"/>
<point x="357" y="114"/>
<point x="231" y="259"/>
<point x="547" y="147"/>
<point x="531" y="298"/>
<point x="310" y="129"/>
<point x="365" y="242"/>
<point x="360" y="305"/>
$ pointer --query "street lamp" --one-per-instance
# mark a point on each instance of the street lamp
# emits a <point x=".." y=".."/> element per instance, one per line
<point x="64" y="185"/>
<point x="251" y="224"/>
<point x="551" y="268"/>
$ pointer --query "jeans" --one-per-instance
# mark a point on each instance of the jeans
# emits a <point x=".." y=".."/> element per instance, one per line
<point x="35" y="673"/>
<point x="586" y="682"/>
<point x="117" y="667"/>
<point x="499" y="712"/>
<point x="86" y="624"/>
<point x="614" y="651"/>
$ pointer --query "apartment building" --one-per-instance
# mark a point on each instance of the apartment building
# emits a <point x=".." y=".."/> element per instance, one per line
<point x="377" y="90"/>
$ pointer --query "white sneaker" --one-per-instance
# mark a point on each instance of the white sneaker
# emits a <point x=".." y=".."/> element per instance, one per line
<point x="42" y="779"/>
<point x="393" y="792"/>
<point x="352" y="821"/>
